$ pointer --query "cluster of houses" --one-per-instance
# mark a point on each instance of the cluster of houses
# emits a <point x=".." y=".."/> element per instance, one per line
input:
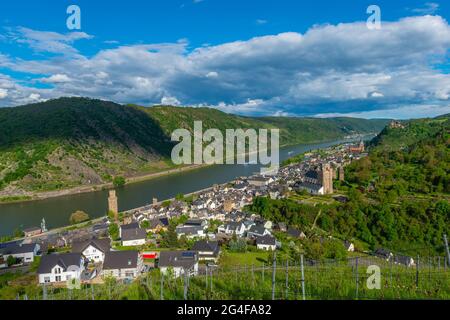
<point x="95" y="258"/>
<point x="92" y="255"/>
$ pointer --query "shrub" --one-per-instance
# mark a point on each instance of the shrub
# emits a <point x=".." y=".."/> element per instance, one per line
<point x="78" y="217"/>
<point x="119" y="182"/>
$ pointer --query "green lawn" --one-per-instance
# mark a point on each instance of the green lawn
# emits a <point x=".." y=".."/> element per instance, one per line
<point x="231" y="259"/>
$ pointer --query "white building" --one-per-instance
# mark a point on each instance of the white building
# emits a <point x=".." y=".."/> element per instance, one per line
<point x="93" y="250"/>
<point x="122" y="264"/>
<point x="60" y="267"/>
<point x="267" y="243"/>
<point x="231" y="228"/>
<point x="23" y="252"/>
<point x="178" y="263"/>
<point x="134" y="237"/>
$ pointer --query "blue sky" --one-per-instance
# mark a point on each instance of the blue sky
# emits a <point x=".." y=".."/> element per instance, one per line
<point x="266" y="57"/>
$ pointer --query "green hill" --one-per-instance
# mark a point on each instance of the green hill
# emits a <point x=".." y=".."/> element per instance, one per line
<point x="412" y="158"/>
<point x="405" y="181"/>
<point x="397" y="197"/>
<point x="70" y="142"/>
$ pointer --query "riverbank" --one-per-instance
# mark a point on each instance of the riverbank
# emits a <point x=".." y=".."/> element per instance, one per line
<point x="98" y="187"/>
<point x="30" y="197"/>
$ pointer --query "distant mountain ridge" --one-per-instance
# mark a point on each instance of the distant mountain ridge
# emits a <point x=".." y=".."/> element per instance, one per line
<point x="70" y="142"/>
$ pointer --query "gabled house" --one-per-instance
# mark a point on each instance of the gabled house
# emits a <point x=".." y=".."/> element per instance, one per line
<point x="256" y="231"/>
<point x="281" y="226"/>
<point x="231" y="228"/>
<point x="404" y="260"/>
<point x="207" y="250"/>
<point x="178" y="262"/>
<point x="158" y="225"/>
<point x="93" y="250"/>
<point x="190" y="232"/>
<point x="266" y="242"/>
<point x="196" y="223"/>
<point x="31" y="232"/>
<point x="248" y="224"/>
<point x="259" y="181"/>
<point x="129" y="226"/>
<point x="384" y="254"/>
<point x="134" y="237"/>
<point x="122" y="264"/>
<point x="295" y="233"/>
<point x="23" y="252"/>
<point x="62" y="267"/>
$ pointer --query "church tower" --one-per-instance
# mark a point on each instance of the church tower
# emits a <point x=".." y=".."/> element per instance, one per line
<point x="112" y="203"/>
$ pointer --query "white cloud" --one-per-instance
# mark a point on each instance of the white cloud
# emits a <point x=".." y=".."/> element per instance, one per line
<point x="170" y="101"/>
<point x="212" y="74"/>
<point x="376" y="95"/>
<point x="340" y="68"/>
<point x="34" y="97"/>
<point x="47" y="41"/>
<point x="261" y="21"/>
<point x="56" y="78"/>
<point x="429" y="8"/>
<point x="3" y="93"/>
<point x="400" y="112"/>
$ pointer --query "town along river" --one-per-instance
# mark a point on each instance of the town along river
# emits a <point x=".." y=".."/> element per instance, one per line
<point x="57" y="211"/>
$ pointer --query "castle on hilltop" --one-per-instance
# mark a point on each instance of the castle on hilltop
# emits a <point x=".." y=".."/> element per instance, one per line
<point x="396" y="125"/>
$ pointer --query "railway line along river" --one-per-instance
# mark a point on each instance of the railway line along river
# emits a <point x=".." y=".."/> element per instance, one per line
<point x="57" y="211"/>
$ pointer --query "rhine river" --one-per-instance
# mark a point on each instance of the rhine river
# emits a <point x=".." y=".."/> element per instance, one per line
<point x="57" y="211"/>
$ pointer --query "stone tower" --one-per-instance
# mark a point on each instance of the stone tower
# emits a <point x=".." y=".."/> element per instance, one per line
<point x="362" y="147"/>
<point x="327" y="178"/>
<point x="112" y="203"/>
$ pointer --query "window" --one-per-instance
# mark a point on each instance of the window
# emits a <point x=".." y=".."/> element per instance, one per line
<point x="58" y="278"/>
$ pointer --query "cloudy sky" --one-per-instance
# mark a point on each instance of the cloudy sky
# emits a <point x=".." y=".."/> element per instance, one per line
<point x="272" y="57"/>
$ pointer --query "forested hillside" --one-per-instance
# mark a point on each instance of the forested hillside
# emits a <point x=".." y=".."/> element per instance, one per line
<point x="72" y="142"/>
<point x="398" y="196"/>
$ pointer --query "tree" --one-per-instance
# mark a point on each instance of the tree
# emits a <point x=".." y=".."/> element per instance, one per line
<point x="114" y="231"/>
<point x="179" y="197"/>
<point x="18" y="233"/>
<point x="119" y="182"/>
<point x="145" y="224"/>
<point x="239" y="245"/>
<point x="170" y="237"/>
<point x="165" y="204"/>
<point x="111" y="215"/>
<point x="78" y="217"/>
<point x="11" y="261"/>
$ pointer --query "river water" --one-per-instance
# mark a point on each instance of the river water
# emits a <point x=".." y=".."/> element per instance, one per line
<point x="57" y="211"/>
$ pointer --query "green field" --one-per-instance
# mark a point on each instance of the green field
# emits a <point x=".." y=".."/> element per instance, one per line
<point x="232" y="259"/>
